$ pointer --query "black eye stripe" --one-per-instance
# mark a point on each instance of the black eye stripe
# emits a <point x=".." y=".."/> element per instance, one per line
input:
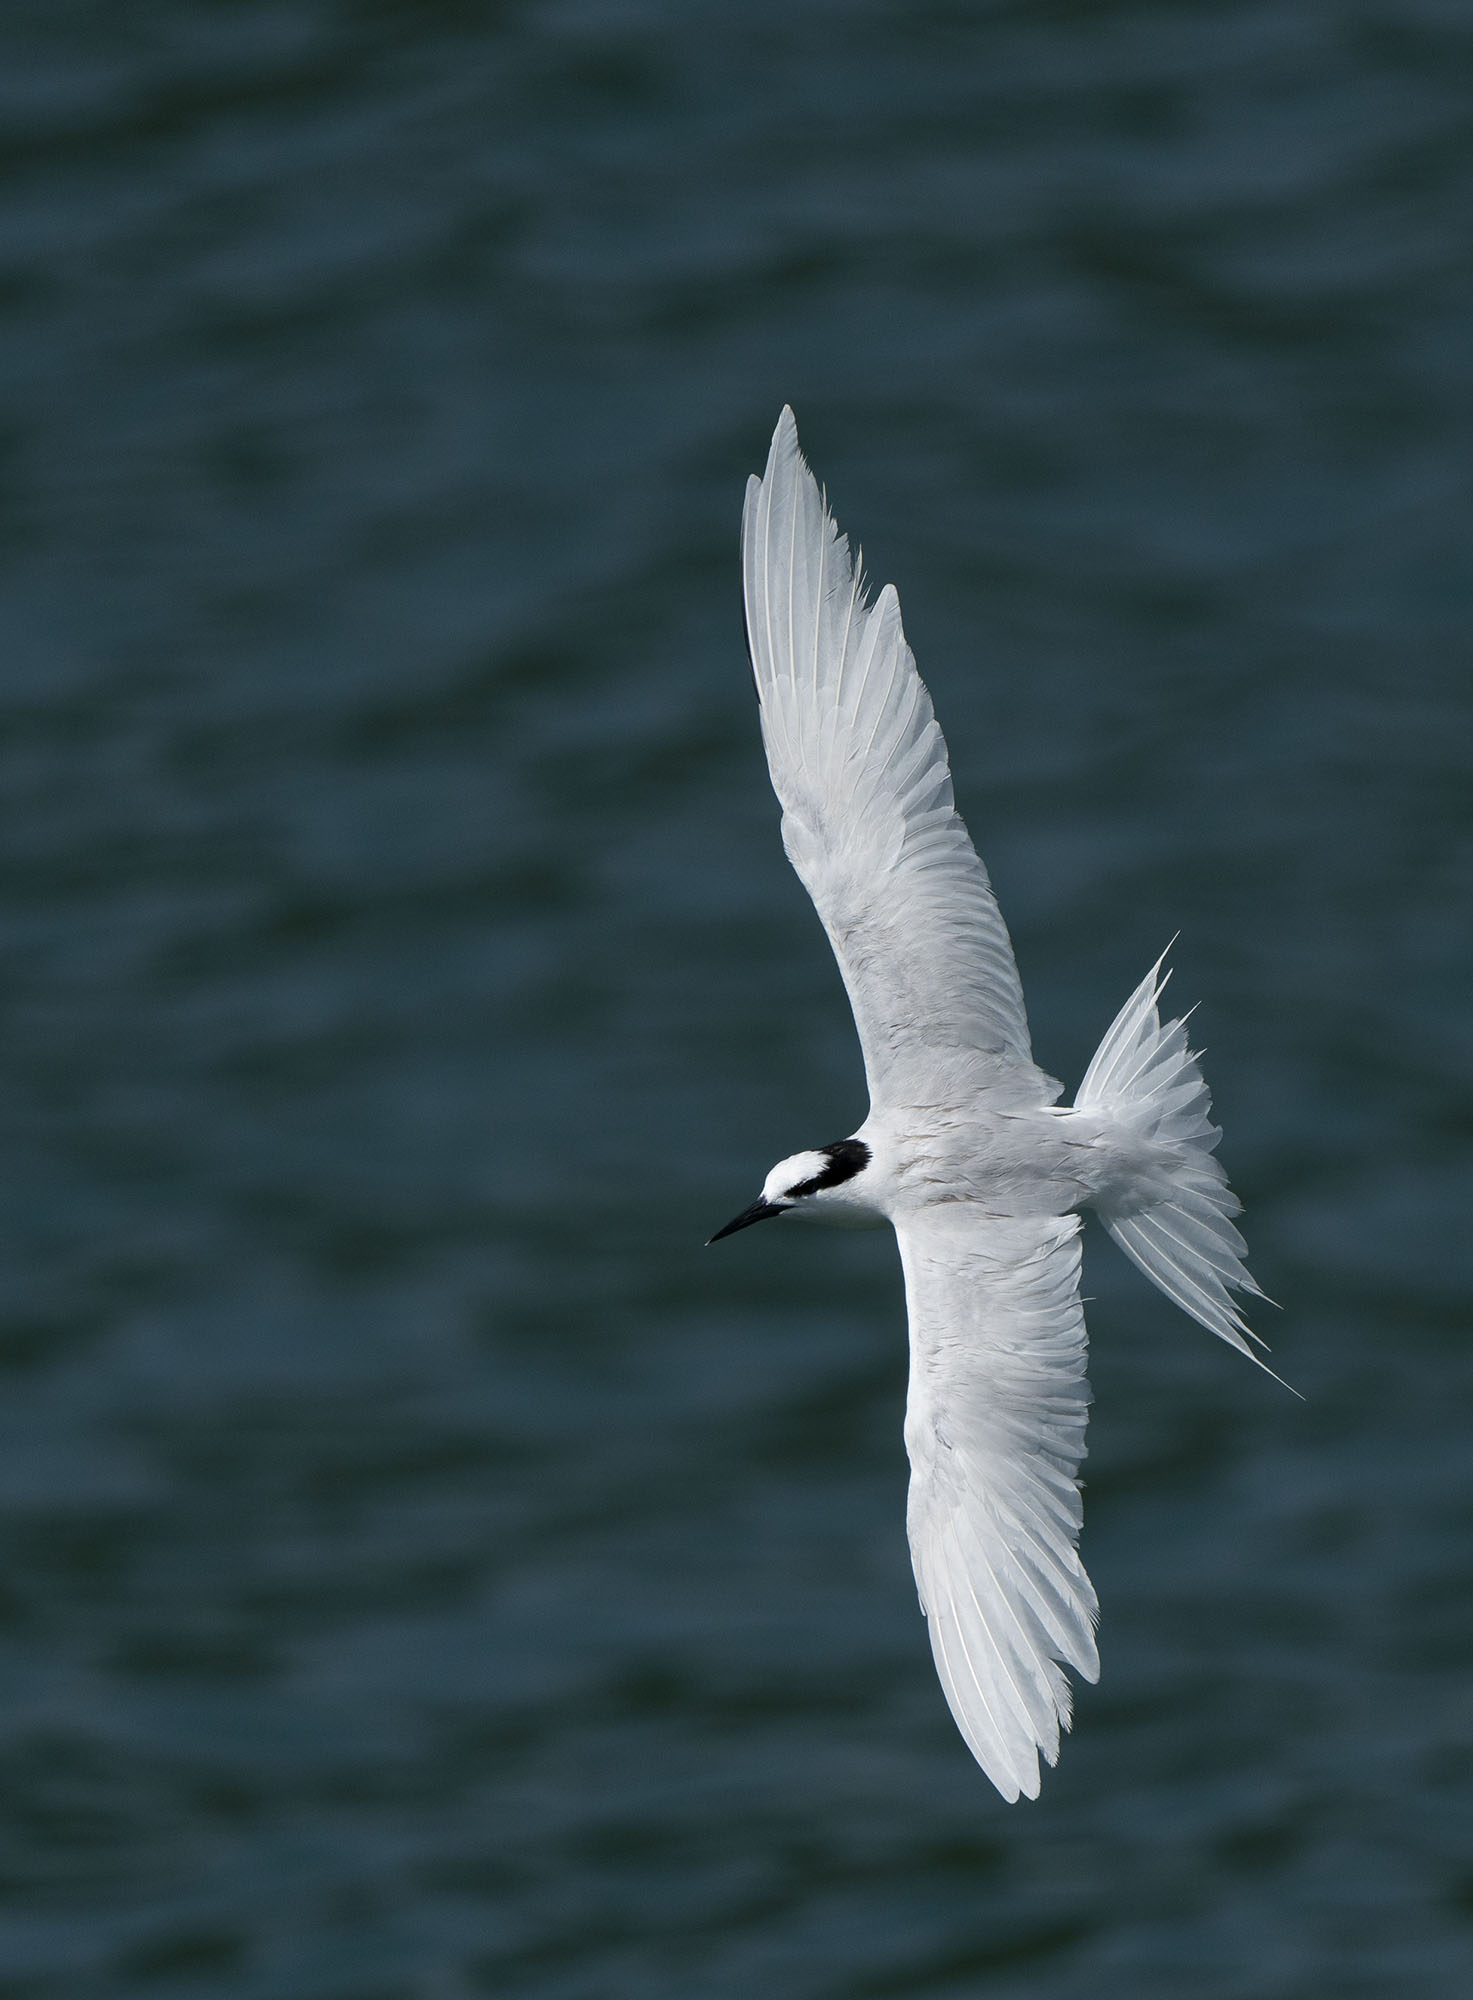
<point x="846" y="1158"/>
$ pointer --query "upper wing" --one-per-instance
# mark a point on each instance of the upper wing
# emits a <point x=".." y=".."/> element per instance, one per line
<point x="859" y="766"/>
<point x="995" y="1430"/>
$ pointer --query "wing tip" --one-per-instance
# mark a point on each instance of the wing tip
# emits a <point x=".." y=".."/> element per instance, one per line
<point x="784" y="440"/>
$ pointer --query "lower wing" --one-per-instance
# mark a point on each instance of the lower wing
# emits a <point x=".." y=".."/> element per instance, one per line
<point x="995" y="1431"/>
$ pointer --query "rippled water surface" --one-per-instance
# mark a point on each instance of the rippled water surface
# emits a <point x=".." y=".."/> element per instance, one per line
<point x="424" y="1570"/>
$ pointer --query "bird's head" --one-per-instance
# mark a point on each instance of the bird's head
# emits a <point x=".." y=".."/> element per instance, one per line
<point x="811" y="1183"/>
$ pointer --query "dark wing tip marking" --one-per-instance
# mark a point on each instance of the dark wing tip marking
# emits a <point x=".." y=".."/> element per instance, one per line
<point x="751" y="656"/>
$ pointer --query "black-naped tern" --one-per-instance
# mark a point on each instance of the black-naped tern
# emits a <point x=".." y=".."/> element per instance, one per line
<point x="966" y="1150"/>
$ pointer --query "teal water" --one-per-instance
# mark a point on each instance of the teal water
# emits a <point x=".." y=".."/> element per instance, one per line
<point x="424" y="1570"/>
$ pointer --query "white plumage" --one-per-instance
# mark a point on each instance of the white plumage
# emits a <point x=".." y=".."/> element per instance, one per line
<point x="965" y="1149"/>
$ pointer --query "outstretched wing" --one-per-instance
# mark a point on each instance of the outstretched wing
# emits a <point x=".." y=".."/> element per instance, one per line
<point x="994" y="1427"/>
<point x="859" y="766"/>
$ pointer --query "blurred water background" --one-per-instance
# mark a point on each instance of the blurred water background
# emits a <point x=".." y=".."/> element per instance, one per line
<point x="424" y="1570"/>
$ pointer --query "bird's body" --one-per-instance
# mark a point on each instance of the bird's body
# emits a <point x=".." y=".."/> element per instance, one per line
<point x="965" y="1150"/>
<point x="1031" y="1160"/>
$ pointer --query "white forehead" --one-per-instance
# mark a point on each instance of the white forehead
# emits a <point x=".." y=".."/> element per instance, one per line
<point x="792" y="1172"/>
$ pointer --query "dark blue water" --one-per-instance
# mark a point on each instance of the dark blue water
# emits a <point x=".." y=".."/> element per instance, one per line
<point x="425" y="1571"/>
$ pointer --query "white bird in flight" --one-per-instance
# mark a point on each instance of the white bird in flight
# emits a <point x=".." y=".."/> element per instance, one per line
<point x="966" y="1150"/>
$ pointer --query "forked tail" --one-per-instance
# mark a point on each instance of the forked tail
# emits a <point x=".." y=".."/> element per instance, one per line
<point x="1146" y="1076"/>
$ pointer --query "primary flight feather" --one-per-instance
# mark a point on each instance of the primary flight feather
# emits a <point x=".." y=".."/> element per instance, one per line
<point x="966" y="1150"/>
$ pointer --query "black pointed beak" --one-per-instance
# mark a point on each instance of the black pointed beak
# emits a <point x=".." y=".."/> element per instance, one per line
<point x="758" y="1212"/>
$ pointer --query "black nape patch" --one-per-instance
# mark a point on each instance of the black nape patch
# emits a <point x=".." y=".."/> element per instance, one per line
<point x="846" y="1158"/>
